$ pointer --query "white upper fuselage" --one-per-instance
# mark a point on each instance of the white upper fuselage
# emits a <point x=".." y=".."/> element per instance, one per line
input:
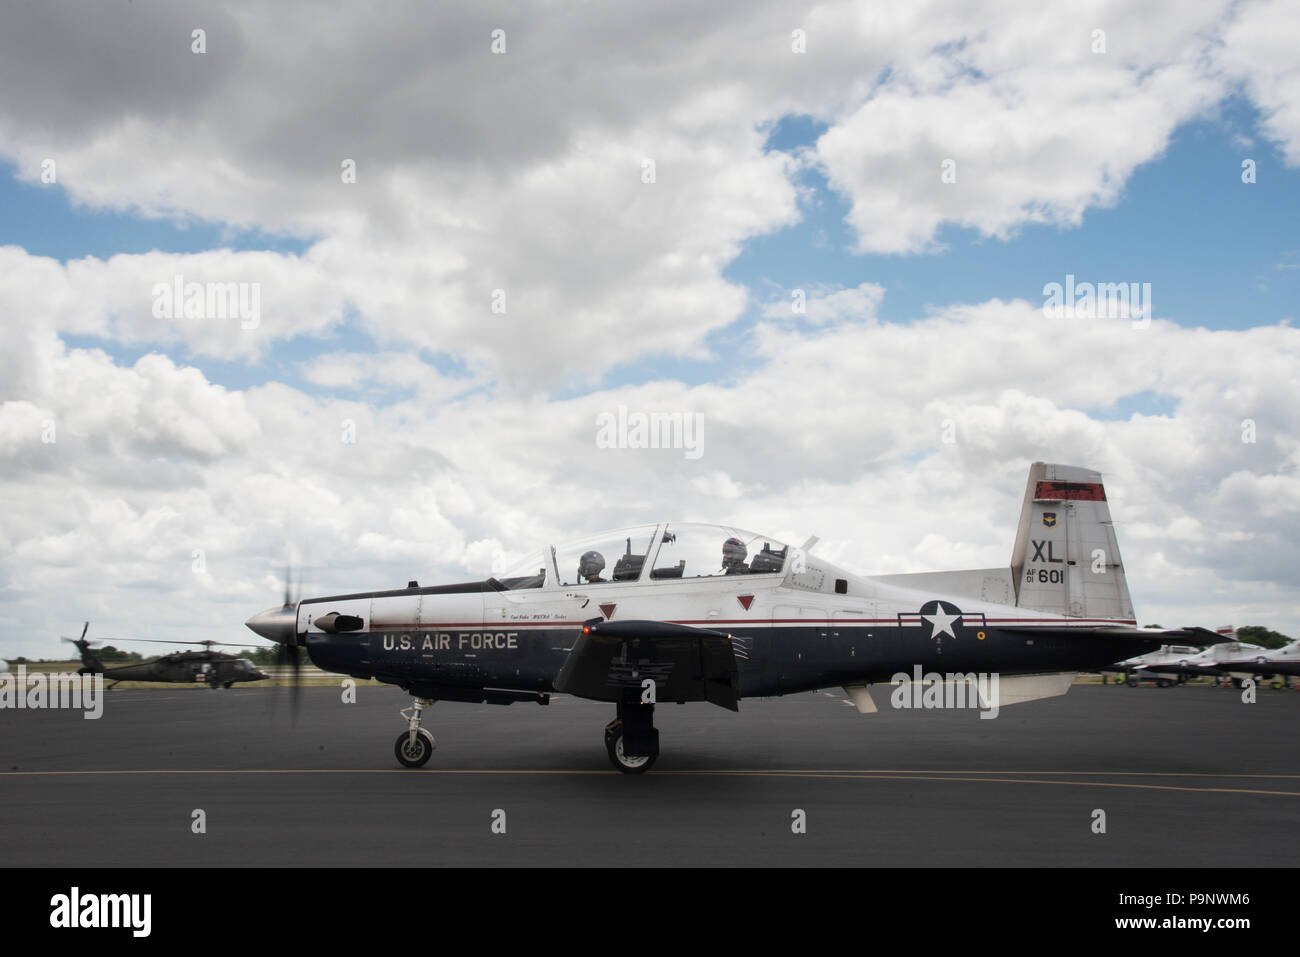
<point x="677" y="576"/>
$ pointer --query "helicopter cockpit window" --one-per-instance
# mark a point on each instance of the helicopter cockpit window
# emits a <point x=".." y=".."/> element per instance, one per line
<point x="610" y="557"/>
<point x="701" y="551"/>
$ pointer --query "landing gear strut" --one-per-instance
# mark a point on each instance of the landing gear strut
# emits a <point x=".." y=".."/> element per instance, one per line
<point x="415" y="745"/>
<point x="631" y="739"/>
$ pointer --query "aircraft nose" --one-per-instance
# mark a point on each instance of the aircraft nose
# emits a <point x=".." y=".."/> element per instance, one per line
<point x="275" y="624"/>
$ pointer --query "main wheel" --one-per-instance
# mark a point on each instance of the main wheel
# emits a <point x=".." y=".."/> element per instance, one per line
<point x="1163" y="683"/>
<point x="1132" y="682"/>
<point x="228" y="685"/>
<point x="414" y="754"/>
<point x="626" y="762"/>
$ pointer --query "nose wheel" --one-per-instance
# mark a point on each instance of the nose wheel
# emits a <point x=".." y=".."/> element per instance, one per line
<point x="415" y="745"/>
<point x="412" y="752"/>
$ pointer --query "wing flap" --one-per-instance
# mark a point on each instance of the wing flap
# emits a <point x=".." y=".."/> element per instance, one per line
<point x="610" y="661"/>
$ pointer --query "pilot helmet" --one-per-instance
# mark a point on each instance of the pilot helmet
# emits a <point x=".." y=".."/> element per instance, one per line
<point x="590" y="565"/>
<point x="733" y="551"/>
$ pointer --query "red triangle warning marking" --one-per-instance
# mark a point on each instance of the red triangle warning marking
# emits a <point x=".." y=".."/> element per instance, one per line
<point x="608" y="610"/>
<point x="745" y="601"/>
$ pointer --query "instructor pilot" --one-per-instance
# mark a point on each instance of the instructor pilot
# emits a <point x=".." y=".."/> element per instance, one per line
<point x="733" y="557"/>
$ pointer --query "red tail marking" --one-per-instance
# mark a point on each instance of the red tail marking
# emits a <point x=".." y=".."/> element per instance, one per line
<point x="1069" y="492"/>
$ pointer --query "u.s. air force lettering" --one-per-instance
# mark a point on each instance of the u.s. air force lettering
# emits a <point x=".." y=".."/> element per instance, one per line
<point x="452" y="641"/>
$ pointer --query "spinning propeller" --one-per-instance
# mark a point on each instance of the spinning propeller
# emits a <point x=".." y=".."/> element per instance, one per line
<point x="281" y="626"/>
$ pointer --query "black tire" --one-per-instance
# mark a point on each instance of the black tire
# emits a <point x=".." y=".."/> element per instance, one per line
<point x="1132" y="682"/>
<point x="417" y="755"/>
<point x="228" y="685"/>
<point x="628" y="765"/>
<point x="1163" y="682"/>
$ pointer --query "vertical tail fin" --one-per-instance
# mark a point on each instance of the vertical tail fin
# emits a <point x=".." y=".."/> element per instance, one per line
<point x="1066" y="559"/>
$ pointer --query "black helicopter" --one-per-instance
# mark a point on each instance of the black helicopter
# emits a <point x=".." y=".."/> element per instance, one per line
<point x="217" y="669"/>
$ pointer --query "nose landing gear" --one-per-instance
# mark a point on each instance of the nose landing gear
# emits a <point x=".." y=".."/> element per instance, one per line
<point x="415" y="745"/>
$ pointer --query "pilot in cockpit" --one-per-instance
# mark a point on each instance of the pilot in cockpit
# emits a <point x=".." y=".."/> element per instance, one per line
<point x="733" y="557"/>
<point x="590" y="565"/>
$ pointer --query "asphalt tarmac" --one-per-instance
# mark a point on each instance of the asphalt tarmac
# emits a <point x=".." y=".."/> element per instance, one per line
<point x="1186" y="777"/>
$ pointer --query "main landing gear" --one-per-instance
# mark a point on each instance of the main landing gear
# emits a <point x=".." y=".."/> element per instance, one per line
<point x="631" y="739"/>
<point x="415" y="745"/>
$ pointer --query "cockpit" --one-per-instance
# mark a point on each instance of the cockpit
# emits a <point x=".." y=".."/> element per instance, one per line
<point x="648" y="553"/>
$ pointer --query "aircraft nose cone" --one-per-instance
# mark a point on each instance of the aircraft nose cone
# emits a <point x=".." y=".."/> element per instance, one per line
<point x="275" y="624"/>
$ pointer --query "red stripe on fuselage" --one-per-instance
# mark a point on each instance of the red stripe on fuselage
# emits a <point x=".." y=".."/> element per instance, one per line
<point x="505" y="626"/>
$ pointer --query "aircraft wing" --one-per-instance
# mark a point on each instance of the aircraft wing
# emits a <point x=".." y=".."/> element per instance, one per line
<point x="1189" y="635"/>
<point x="1175" y="668"/>
<point x="611" y="660"/>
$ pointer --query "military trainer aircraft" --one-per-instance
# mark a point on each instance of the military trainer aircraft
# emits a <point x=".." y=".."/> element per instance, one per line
<point x="687" y="612"/>
<point x="1245" y="660"/>
<point x="216" y="668"/>
<point x="1165" y="666"/>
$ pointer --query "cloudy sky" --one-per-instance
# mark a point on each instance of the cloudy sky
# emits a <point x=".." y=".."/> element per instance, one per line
<point x="465" y="232"/>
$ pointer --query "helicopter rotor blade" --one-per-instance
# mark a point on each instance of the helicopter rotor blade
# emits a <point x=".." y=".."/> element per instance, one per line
<point x="166" y="641"/>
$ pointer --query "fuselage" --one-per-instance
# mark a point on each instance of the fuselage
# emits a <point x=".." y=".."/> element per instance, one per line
<point x="804" y="625"/>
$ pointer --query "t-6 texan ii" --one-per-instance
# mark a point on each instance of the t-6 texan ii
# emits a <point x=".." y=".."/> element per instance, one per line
<point x="687" y="612"/>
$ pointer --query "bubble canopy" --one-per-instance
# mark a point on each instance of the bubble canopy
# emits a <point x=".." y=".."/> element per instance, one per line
<point x="675" y="551"/>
